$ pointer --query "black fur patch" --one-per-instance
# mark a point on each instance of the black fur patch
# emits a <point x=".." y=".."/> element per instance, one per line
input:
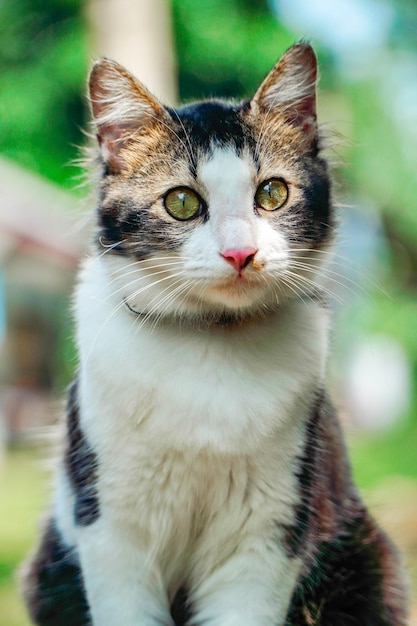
<point x="139" y="231"/>
<point x="214" y="123"/>
<point x="345" y="587"/>
<point x="312" y="219"/>
<point x="81" y="464"/>
<point x="54" y="588"/>
<point x="180" y="608"/>
<point x="111" y="233"/>
<point x="324" y="483"/>
<point x="296" y="535"/>
<point x="350" y="574"/>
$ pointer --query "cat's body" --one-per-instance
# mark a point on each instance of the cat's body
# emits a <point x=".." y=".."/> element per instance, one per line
<point x="205" y="479"/>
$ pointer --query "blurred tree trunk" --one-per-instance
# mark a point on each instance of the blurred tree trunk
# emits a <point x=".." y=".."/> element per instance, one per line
<point x="137" y="34"/>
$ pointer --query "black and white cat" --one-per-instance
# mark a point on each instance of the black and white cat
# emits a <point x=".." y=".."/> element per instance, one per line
<point x="205" y="479"/>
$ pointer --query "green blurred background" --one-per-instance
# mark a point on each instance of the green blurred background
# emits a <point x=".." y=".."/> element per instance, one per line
<point x="367" y="53"/>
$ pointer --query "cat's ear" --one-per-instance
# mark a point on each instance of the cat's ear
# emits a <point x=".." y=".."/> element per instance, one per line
<point x="290" y="89"/>
<point x="122" y="108"/>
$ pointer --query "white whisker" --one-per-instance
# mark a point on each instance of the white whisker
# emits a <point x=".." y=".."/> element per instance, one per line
<point x="171" y="130"/>
<point x="147" y="260"/>
<point x="190" y="151"/>
<point x="150" y="313"/>
<point x="183" y="288"/>
<point x="162" y="268"/>
<point x="308" y="282"/>
<point x="365" y="275"/>
<point x="139" y="279"/>
<point x="138" y="292"/>
<point x="122" y="303"/>
<point x="329" y="275"/>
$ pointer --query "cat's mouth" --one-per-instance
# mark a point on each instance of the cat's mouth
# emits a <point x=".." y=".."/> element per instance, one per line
<point x="235" y="287"/>
<point x="235" y="292"/>
<point x="237" y="281"/>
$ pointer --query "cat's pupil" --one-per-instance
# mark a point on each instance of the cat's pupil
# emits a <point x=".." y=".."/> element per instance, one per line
<point x="183" y="204"/>
<point x="271" y="194"/>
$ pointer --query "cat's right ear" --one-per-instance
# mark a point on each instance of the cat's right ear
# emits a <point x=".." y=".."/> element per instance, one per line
<point x="122" y="108"/>
<point x="290" y="90"/>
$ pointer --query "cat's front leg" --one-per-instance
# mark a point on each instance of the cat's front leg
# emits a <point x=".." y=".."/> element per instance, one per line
<point x="122" y="585"/>
<point x="253" y="588"/>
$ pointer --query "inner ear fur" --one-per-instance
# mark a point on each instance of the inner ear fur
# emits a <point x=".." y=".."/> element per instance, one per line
<point x="289" y="90"/>
<point x="121" y="108"/>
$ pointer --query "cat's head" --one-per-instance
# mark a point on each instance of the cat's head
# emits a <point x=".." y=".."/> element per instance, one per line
<point x="215" y="208"/>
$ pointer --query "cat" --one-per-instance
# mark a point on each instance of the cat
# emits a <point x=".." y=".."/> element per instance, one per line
<point x="205" y="480"/>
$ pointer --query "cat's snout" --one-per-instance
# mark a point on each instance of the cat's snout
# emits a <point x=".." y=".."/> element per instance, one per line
<point x="239" y="257"/>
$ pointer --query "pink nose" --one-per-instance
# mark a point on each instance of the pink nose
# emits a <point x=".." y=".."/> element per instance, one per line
<point x="239" y="257"/>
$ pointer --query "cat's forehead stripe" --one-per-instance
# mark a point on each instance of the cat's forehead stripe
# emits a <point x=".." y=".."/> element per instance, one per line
<point x="228" y="180"/>
<point x="226" y="172"/>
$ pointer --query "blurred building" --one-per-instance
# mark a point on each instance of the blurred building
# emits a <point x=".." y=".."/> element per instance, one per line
<point x="41" y="239"/>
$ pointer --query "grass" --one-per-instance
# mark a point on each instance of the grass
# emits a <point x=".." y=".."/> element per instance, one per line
<point x="23" y="495"/>
<point x="381" y="454"/>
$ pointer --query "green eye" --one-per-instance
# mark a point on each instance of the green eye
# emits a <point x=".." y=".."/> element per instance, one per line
<point x="271" y="194"/>
<point x="183" y="203"/>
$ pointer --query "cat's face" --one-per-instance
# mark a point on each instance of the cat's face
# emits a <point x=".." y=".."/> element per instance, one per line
<point x="214" y="208"/>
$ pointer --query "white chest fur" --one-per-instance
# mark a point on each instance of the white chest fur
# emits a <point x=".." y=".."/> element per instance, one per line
<point x="224" y="388"/>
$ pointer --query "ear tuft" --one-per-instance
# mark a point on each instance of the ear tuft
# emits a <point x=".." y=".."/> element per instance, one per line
<point x="121" y="107"/>
<point x="290" y="89"/>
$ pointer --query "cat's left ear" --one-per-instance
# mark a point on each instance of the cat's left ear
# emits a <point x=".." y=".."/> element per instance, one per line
<point x="122" y="108"/>
<point x="290" y="90"/>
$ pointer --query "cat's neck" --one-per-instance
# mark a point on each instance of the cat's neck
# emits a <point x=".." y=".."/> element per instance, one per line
<point x="201" y="320"/>
<point x="271" y="364"/>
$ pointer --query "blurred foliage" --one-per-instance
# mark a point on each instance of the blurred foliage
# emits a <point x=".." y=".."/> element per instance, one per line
<point x="43" y="68"/>
<point x="378" y="455"/>
<point x="224" y="47"/>
<point x="380" y="168"/>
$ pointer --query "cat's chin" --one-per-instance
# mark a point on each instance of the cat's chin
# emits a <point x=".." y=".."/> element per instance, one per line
<point x="218" y="302"/>
<point x="240" y="300"/>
